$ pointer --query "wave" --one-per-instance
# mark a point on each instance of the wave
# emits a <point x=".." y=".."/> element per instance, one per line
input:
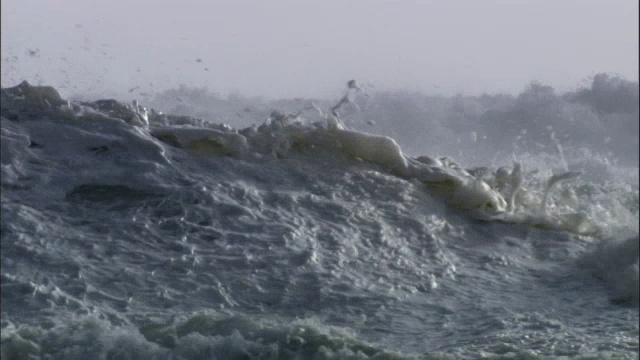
<point x="143" y="219"/>
<point x="483" y="194"/>
<point x="199" y="336"/>
<point x="616" y="262"/>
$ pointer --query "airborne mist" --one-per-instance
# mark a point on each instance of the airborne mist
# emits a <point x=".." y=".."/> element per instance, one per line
<point x="600" y="118"/>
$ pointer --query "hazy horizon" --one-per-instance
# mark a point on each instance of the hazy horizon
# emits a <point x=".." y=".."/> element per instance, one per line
<point x="292" y="49"/>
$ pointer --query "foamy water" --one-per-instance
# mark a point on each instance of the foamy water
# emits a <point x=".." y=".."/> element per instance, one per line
<point x="127" y="233"/>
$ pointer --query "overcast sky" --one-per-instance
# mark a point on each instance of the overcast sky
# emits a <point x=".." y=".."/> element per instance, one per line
<point x="282" y="48"/>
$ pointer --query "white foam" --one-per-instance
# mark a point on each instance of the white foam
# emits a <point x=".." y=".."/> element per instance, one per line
<point x="198" y="336"/>
<point x="204" y="141"/>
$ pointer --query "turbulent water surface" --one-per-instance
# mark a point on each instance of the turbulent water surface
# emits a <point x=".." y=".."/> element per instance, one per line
<point x="128" y="233"/>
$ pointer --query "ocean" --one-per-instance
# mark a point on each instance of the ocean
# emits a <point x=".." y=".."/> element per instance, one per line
<point x="128" y="233"/>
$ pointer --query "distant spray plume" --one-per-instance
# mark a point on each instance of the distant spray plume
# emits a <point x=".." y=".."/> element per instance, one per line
<point x="352" y="88"/>
<point x="333" y="117"/>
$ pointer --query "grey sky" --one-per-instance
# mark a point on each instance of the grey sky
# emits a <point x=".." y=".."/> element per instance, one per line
<point x="310" y="48"/>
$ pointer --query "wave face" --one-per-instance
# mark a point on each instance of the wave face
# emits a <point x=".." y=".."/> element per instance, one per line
<point x="127" y="233"/>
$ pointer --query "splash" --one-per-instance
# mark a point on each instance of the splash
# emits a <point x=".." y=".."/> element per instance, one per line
<point x="489" y="194"/>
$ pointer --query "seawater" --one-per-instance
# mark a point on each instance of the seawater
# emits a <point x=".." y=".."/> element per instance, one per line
<point x="127" y="233"/>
